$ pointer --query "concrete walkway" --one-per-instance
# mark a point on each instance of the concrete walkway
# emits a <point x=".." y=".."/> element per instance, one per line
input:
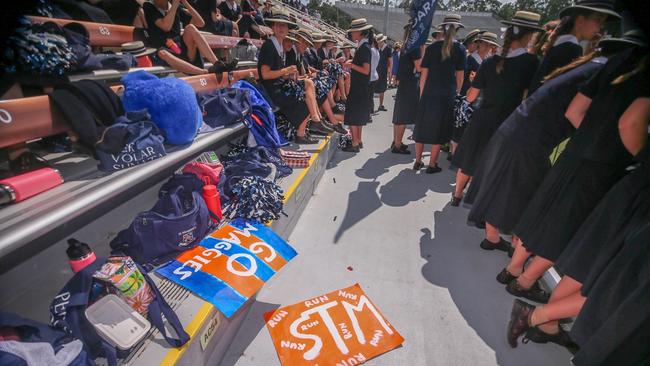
<point x="376" y="222"/>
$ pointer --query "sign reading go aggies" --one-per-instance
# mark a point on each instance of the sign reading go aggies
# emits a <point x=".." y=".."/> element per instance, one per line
<point x="341" y="328"/>
<point x="230" y="265"/>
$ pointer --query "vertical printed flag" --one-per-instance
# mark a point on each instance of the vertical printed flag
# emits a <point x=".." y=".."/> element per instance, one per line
<point x="421" y="18"/>
<point x="230" y="265"/>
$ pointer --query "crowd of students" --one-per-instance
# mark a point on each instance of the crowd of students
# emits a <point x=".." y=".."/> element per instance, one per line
<point x="318" y="89"/>
<point x="507" y="110"/>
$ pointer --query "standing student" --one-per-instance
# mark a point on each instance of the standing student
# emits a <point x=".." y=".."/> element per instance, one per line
<point x="482" y="45"/>
<point x="385" y="60"/>
<point x="503" y="80"/>
<point x="397" y="49"/>
<point x="606" y="139"/>
<point x="517" y="157"/>
<point x="470" y="40"/>
<point x="441" y="78"/>
<point x="406" y="99"/>
<point x="357" y="108"/>
<point x="580" y="22"/>
<point x="374" y="75"/>
<point x="273" y="72"/>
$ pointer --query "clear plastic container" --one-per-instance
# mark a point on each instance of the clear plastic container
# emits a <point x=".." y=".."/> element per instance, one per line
<point x="116" y="322"/>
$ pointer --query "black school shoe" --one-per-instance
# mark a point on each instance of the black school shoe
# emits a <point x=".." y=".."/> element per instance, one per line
<point x="518" y="324"/>
<point x="534" y="293"/>
<point x="418" y="165"/>
<point x="433" y="169"/>
<point x="340" y="129"/>
<point x="502" y="245"/>
<point x="305" y="140"/>
<point x="403" y="149"/>
<point x="318" y="128"/>
<point x="455" y="201"/>
<point x="504" y="277"/>
<point x="382" y="108"/>
<point x="561" y="338"/>
<point x="351" y="148"/>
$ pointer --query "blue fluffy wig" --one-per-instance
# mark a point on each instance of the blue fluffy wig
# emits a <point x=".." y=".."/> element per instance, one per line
<point x="170" y="101"/>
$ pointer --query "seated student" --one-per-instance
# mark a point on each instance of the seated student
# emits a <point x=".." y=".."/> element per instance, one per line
<point x="274" y="73"/>
<point x="322" y="90"/>
<point x="165" y="19"/>
<point x="266" y="8"/>
<point x="215" y="23"/>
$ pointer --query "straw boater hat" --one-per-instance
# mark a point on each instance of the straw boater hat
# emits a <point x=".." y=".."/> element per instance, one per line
<point x="525" y="19"/>
<point x="437" y="30"/>
<point x="598" y="6"/>
<point x="347" y="46"/>
<point x="279" y="15"/>
<point x="305" y="36"/>
<point x="319" y="37"/>
<point x="489" y="37"/>
<point x="137" y="49"/>
<point x="360" y="24"/>
<point x="452" y="19"/>
<point x="473" y="35"/>
<point x="381" y="37"/>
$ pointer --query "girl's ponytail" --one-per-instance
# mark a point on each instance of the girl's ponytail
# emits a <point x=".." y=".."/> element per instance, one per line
<point x="450" y="33"/>
<point x="507" y="40"/>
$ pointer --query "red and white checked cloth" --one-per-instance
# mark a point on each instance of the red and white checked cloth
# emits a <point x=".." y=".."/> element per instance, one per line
<point x="295" y="159"/>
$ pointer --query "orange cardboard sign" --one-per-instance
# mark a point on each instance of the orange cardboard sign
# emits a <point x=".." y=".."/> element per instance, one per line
<point x="341" y="328"/>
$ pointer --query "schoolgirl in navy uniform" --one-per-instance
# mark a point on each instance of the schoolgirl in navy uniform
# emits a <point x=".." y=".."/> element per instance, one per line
<point x="357" y="108"/>
<point x="273" y="72"/>
<point x="580" y="22"/>
<point x="502" y="80"/>
<point x="482" y="44"/>
<point x="443" y="70"/>
<point x="407" y="96"/>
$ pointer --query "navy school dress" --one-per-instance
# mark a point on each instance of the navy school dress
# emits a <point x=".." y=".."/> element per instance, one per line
<point x="593" y="161"/>
<point x="434" y="120"/>
<point x="517" y="157"/>
<point x="472" y="65"/>
<point x="613" y="327"/>
<point x="559" y="55"/>
<point x="290" y="105"/>
<point x="357" y="106"/>
<point x="408" y="93"/>
<point x="502" y="93"/>
<point x="382" y="69"/>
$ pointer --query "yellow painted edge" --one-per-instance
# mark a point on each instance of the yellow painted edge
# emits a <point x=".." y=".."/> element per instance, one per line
<point x="174" y="354"/>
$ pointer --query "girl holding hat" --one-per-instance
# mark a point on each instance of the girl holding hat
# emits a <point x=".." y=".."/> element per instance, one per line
<point x="407" y="96"/>
<point x="516" y="159"/>
<point x="580" y="22"/>
<point x="482" y="45"/>
<point x="357" y="108"/>
<point x="443" y="67"/>
<point x="502" y="80"/>
<point x="274" y="72"/>
<point x="610" y="114"/>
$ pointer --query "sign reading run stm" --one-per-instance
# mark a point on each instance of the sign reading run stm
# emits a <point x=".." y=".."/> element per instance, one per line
<point x="341" y="328"/>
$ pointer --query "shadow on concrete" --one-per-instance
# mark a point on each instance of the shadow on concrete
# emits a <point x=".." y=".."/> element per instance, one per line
<point x="410" y="186"/>
<point x="375" y="167"/>
<point x="250" y="328"/>
<point x="456" y="262"/>
<point x="361" y="203"/>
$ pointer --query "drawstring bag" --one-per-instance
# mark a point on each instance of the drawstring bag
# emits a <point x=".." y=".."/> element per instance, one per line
<point x="133" y="139"/>
<point x="224" y="107"/>
<point x="261" y="122"/>
<point x="178" y="221"/>
<point x="26" y="342"/>
<point x="207" y="173"/>
<point x="68" y="308"/>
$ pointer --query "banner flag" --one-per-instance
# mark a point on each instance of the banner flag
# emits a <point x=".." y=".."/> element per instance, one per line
<point x="231" y="265"/>
<point x="341" y="328"/>
<point x="421" y="17"/>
